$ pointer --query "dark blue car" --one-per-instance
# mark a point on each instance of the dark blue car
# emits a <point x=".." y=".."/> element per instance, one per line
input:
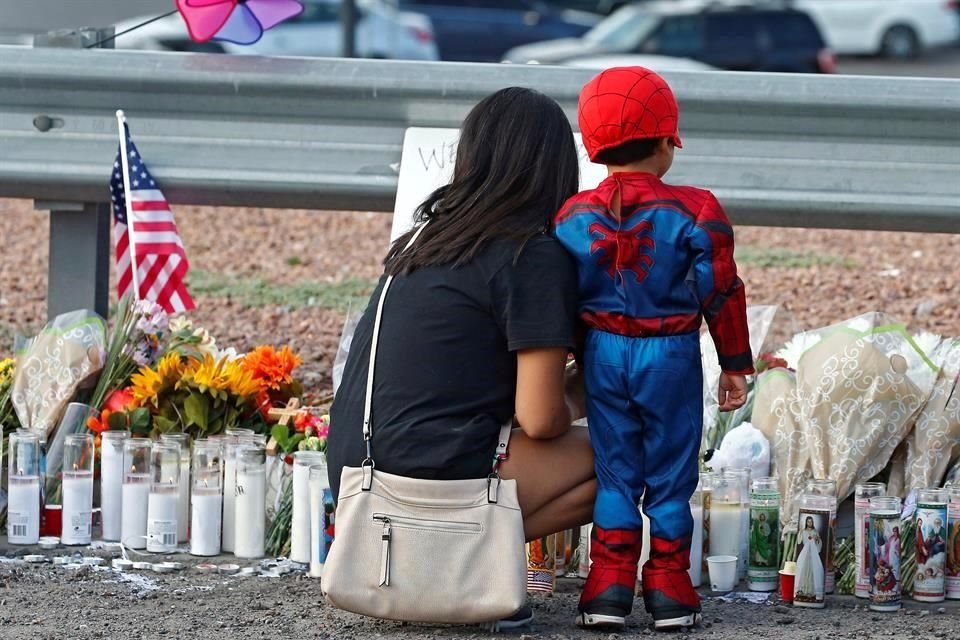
<point x="483" y="30"/>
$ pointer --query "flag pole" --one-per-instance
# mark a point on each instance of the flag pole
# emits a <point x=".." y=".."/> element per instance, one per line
<point x="121" y="121"/>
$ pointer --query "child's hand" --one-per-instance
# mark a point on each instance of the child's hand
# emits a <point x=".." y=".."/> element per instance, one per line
<point x="733" y="392"/>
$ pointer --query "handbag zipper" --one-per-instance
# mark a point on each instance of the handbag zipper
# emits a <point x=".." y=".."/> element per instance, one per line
<point x="407" y="522"/>
<point x="385" y="537"/>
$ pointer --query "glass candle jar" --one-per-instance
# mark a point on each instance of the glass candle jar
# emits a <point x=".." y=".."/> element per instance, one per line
<point x="135" y="493"/>
<point x="953" y="550"/>
<point x="885" y="541"/>
<point x="251" y="501"/>
<point x="931" y="545"/>
<point x="764" y="537"/>
<point x="23" y="488"/>
<point x="743" y="475"/>
<point x="828" y="488"/>
<point x="696" y="541"/>
<point x="707" y="480"/>
<point x="300" y="522"/>
<point x="861" y="518"/>
<point x="726" y="519"/>
<point x="183" y="499"/>
<point x="163" y="504"/>
<point x="230" y="445"/>
<point x="111" y="482"/>
<point x="813" y="536"/>
<point x="321" y="519"/>
<point x="206" y="498"/>
<point x="77" y="489"/>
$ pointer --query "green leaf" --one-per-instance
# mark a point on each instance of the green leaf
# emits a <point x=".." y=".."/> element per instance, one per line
<point x="294" y="443"/>
<point x="117" y="421"/>
<point x="281" y="434"/>
<point x="197" y="411"/>
<point x="164" y="425"/>
<point x="140" y="420"/>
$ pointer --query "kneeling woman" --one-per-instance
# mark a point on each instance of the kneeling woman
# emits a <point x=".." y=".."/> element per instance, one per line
<point x="478" y="324"/>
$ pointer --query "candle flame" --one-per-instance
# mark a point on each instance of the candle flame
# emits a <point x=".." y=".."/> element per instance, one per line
<point x="76" y="467"/>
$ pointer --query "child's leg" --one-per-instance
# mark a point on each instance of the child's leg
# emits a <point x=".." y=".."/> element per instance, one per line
<point x="668" y="385"/>
<point x="617" y="440"/>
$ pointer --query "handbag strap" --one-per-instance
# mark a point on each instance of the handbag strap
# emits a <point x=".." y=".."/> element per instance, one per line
<point x="368" y="464"/>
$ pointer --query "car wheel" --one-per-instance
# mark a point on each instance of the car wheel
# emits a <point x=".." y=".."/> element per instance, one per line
<point x="900" y="42"/>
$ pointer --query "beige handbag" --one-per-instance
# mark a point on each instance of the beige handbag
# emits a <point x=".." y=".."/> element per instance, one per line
<point x="435" y="551"/>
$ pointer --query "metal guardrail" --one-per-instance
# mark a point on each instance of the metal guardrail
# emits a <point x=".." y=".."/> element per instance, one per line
<point x="779" y="150"/>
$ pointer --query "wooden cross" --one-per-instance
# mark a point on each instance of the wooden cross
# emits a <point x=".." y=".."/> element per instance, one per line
<point x="283" y="417"/>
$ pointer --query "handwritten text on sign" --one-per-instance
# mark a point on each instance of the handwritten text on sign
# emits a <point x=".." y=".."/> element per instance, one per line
<point x="427" y="164"/>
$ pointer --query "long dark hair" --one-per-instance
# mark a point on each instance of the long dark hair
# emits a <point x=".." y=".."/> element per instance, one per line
<point x="516" y="165"/>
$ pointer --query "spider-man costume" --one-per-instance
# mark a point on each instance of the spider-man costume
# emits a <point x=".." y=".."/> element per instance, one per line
<point x="653" y="261"/>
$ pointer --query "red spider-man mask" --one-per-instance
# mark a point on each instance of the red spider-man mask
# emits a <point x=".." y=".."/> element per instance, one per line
<point x="624" y="104"/>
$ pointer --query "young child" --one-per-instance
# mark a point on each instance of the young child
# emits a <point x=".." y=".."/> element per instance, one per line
<point x="653" y="260"/>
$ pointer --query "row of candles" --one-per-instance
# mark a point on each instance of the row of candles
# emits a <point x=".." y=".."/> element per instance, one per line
<point x="155" y="495"/>
<point x="734" y="516"/>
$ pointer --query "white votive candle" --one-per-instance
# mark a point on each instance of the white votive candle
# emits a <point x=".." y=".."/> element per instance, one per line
<point x="696" y="546"/>
<point x="133" y="522"/>
<point x="23" y="510"/>
<point x="205" y="529"/>
<point x="183" y="500"/>
<point x="725" y="524"/>
<point x="77" y="507"/>
<point x="250" y="508"/>
<point x="111" y="482"/>
<point x="227" y="540"/>
<point x="162" y="509"/>
<point x="300" y="523"/>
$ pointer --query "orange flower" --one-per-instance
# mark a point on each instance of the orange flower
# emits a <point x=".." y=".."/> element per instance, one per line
<point x="271" y="368"/>
<point x="101" y="425"/>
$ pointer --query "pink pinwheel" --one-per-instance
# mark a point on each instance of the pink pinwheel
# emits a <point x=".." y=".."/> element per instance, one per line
<point x="237" y="21"/>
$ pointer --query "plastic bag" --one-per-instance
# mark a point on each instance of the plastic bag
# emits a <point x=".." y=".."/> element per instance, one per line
<point x="744" y="447"/>
<point x="343" y="350"/>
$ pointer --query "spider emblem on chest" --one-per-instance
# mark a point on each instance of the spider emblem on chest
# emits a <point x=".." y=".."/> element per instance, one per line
<point x="628" y="250"/>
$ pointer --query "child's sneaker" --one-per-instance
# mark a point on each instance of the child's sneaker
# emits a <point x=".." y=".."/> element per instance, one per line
<point x="606" y="617"/>
<point x="608" y="594"/>
<point x="668" y="593"/>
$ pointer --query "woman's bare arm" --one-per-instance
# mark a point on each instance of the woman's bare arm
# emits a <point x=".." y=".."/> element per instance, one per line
<point x="540" y="405"/>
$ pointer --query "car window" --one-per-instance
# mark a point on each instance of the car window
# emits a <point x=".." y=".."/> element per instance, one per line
<point x="792" y="30"/>
<point x="732" y="31"/>
<point x="624" y="30"/>
<point x="680" y="36"/>
<point x="319" y="12"/>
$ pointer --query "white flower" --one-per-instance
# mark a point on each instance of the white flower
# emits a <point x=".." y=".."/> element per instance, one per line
<point x="181" y="323"/>
<point x="796" y="347"/>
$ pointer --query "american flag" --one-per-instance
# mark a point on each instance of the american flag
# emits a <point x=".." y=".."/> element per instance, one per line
<point x="161" y="260"/>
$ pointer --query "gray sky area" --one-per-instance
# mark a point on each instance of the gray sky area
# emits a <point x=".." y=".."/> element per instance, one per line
<point x="35" y="16"/>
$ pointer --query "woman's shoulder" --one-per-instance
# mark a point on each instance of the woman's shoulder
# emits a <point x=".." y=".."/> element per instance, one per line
<point x="538" y="255"/>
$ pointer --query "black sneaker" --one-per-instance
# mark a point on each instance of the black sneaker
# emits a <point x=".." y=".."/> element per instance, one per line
<point x="602" y="617"/>
<point x="521" y="618"/>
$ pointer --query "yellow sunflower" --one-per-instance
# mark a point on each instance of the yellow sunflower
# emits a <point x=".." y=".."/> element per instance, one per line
<point x="147" y="384"/>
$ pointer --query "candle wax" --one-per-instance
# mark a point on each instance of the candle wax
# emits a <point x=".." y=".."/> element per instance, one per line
<point x="725" y="524"/>
<point x="229" y="504"/>
<point x="300" y="525"/>
<point x="205" y="529"/>
<point x="696" y="547"/>
<point x="162" y="507"/>
<point x="183" y="502"/>
<point x="23" y="510"/>
<point x="133" y="527"/>
<point x="250" y="513"/>
<point x="111" y="489"/>
<point x="77" y="507"/>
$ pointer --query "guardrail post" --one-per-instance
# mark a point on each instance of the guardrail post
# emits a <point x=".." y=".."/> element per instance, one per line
<point x="79" y="270"/>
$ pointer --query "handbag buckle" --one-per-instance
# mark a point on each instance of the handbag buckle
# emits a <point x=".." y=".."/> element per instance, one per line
<point x="493" y="491"/>
<point x="367" y="467"/>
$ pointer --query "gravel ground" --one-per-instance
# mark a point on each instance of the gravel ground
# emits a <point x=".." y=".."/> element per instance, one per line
<point x="265" y="275"/>
<point x="41" y="602"/>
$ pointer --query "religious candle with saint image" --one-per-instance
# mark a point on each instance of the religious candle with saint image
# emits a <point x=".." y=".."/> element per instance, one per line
<point x="828" y="489"/>
<point x="953" y="543"/>
<point x="931" y="545"/>
<point x="861" y="519"/>
<point x="541" y="564"/>
<point x="885" y="539"/>
<point x="764" y="543"/>
<point x="813" y="539"/>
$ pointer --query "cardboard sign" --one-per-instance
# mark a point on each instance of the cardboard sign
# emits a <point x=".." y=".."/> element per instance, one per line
<point x="427" y="164"/>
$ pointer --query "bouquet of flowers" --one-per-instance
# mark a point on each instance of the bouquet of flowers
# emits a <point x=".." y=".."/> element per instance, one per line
<point x="8" y="417"/>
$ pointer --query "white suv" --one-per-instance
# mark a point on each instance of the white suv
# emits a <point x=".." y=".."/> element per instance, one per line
<point x="892" y="28"/>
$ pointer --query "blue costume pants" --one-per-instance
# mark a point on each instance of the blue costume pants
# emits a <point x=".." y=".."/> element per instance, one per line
<point x="645" y="407"/>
